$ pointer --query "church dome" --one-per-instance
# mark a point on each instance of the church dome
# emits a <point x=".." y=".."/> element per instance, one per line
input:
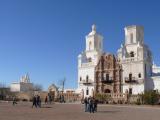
<point x="93" y="32"/>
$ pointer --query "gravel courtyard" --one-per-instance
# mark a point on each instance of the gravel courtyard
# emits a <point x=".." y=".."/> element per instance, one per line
<point x="23" y="111"/>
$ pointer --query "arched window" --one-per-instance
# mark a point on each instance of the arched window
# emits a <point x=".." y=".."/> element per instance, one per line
<point x="139" y="75"/>
<point x="80" y="79"/>
<point x="107" y="91"/>
<point x="107" y="77"/>
<point x="130" y="77"/>
<point x="87" y="78"/>
<point x="130" y="91"/>
<point x="89" y="59"/>
<point x="132" y="54"/>
<point x="87" y="91"/>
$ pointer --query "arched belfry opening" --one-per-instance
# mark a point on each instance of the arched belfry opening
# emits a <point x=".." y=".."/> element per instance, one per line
<point x="131" y="54"/>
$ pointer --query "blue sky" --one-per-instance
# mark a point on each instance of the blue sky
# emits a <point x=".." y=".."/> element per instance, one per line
<point x="44" y="37"/>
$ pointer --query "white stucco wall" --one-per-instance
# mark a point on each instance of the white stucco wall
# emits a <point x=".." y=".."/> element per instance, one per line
<point x="135" y="68"/>
<point x="136" y="88"/>
<point x="156" y="81"/>
<point x="83" y="72"/>
<point x="18" y="87"/>
<point x="15" y="87"/>
<point x="156" y="69"/>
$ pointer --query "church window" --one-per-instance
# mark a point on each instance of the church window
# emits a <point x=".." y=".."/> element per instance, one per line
<point x="139" y="75"/>
<point x="131" y="35"/>
<point x="80" y="78"/>
<point x="107" y="77"/>
<point x="89" y="59"/>
<point x="87" y="78"/>
<point x="87" y="92"/>
<point x="132" y="54"/>
<point x="130" y="91"/>
<point x="130" y="77"/>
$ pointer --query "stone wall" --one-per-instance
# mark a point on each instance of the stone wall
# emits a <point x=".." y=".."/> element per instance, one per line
<point x="27" y="96"/>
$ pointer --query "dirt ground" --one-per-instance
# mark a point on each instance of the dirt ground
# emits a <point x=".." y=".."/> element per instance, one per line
<point x="24" y="111"/>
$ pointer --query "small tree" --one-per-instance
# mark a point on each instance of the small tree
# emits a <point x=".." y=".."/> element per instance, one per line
<point x="37" y="87"/>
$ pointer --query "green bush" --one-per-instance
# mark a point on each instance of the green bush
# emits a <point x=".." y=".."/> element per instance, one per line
<point x="102" y="98"/>
<point x="138" y="102"/>
<point x="150" y="97"/>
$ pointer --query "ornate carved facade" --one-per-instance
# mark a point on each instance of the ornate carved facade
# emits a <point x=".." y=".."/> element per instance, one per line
<point x="108" y="75"/>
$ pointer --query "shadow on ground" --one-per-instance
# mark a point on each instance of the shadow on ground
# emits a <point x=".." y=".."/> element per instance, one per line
<point x="108" y="111"/>
<point x="46" y="107"/>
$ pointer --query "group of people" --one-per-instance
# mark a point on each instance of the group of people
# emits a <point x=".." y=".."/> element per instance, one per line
<point x="48" y="99"/>
<point x="36" y="101"/>
<point x="90" y="104"/>
<point x="61" y="99"/>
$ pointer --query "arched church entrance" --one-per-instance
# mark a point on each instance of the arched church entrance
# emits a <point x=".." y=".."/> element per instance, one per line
<point x="107" y="91"/>
<point x="52" y="95"/>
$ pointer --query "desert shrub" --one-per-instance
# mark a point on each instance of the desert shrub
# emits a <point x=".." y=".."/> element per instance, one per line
<point x="102" y="98"/>
<point x="24" y="100"/>
<point x="138" y="102"/>
<point x="150" y="97"/>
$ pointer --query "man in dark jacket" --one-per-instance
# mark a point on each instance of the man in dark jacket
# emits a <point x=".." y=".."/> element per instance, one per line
<point x="91" y="105"/>
<point x="86" y="104"/>
<point x="14" y="101"/>
<point x="34" y="101"/>
<point x="38" y="101"/>
<point x="95" y="102"/>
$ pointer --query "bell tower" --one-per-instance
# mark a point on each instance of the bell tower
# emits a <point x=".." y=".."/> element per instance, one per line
<point x="94" y="41"/>
<point x="134" y="35"/>
<point x="87" y="61"/>
<point x="136" y="59"/>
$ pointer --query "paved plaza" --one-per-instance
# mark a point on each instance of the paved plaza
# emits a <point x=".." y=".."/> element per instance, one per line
<point x="23" y="111"/>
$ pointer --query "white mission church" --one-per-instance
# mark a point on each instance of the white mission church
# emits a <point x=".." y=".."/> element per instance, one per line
<point x="87" y="62"/>
<point x="138" y="72"/>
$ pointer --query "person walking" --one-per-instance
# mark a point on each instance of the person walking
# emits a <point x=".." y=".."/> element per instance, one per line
<point x="95" y="102"/>
<point x="14" y="101"/>
<point x="50" y="99"/>
<point x="38" y="101"/>
<point x="91" y="105"/>
<point x="46" y="100"/>
<point x="34" y="101"/>
<point x="86" y="104"/>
